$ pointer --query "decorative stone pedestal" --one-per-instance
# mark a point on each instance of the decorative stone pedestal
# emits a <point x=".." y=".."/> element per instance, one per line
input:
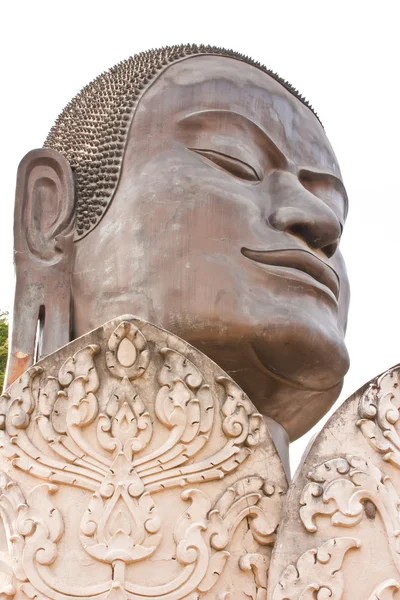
<point x="133" y="467"/>
<point x="340" y="535"/>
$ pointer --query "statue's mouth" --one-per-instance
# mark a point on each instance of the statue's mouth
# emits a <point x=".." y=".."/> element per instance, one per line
<point x="301" y="260"/>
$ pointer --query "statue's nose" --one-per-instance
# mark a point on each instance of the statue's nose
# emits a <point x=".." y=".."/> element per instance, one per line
<point x="300" y="213"/>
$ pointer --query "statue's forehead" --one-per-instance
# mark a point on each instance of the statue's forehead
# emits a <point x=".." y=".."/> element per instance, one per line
<point x="209" y="82"/>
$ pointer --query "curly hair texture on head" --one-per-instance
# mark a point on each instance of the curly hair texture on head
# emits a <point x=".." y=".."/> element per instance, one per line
<point x="91" y="131"/>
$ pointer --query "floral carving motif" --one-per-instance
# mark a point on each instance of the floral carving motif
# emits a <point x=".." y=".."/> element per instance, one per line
<point x="36" y="527"/>
<point x="60" y="428"/>
<point x="348" y="489"/>
<point x="127" y="352"/>
<point x="379" y="415"/>
<point x="125" y="426"/>
<point x="385" y="591"/>
<point x="121" y="522"/>
<point x="340" y="487"/>
<point x="317" y="573"/>
<point x="344" y="489"/>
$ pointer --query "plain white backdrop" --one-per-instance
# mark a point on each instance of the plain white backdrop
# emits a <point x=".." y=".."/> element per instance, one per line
<point x="343" y="56"/>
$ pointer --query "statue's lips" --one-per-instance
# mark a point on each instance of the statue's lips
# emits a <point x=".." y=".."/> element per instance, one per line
<point x="301" y="260"/>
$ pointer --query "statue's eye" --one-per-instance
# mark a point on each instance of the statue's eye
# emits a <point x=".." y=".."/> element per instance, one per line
<point x="228" y="163"/>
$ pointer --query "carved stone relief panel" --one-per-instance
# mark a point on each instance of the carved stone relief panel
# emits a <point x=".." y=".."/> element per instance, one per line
<point x="133" y="468"/>
<point x="339" y="537"/>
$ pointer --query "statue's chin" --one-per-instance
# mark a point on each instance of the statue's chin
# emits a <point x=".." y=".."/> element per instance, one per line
<point x="295" y="389"/>
<point x="314" y="363"/>
<point x="304" y="355"/>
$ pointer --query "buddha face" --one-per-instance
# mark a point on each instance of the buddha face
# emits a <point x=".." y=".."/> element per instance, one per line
<point x="224" y="229"/>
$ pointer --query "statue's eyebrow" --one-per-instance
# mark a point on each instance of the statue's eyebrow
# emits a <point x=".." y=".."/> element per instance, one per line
<point x="316" y="175"/>
<point x="265" y="144"/>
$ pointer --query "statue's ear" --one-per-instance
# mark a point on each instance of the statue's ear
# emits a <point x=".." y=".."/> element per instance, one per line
<point x="43" y="234"/>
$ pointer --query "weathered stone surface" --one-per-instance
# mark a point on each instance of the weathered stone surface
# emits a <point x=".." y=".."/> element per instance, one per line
<point x="197" y="189"/>
<point x="133" y="467"/>
<point x="339" y="536"/>
<point x="190" y="187"/>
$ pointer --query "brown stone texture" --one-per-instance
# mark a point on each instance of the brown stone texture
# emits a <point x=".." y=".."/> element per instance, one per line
<point x="206" y="199"/>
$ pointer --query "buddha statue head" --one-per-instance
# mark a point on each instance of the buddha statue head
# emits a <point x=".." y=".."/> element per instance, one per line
<point x="196" y="189"/>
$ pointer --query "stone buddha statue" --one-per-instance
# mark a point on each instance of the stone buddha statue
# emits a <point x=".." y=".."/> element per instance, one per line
<point x="196" y="189"/>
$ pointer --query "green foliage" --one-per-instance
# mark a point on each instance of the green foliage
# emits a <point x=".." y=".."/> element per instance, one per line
<point x="3" y="346"/>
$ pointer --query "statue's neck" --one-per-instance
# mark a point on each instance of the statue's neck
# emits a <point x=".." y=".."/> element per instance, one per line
<point x="281" y="440"/>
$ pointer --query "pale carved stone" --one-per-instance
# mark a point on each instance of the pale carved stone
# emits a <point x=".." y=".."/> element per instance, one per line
<point x="348" y="485"/>
<point x="379" y="412"/>
<point x="317" y="571"/>
<point x="133" y="467"/>
<point x="385" y="590"/>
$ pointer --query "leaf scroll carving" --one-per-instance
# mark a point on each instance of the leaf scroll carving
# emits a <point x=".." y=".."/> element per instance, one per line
<point x="379" y="415"/>
<point x="352" y="479"/>
<point x="339" y="488"/>
<point x="385" y="590"/>
<point x="125" y="421"/>
<point x="342" y="488"/>
<point x="317" y="573"/>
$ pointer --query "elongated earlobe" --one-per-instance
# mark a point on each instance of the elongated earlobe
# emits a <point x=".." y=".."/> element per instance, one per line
<point x="43" y="233"/>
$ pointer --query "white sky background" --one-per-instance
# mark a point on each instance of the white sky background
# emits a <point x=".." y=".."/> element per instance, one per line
<point x="343" y="55"/>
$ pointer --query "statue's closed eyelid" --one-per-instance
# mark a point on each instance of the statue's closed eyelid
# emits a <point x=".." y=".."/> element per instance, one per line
<point x="229" y="163"/>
